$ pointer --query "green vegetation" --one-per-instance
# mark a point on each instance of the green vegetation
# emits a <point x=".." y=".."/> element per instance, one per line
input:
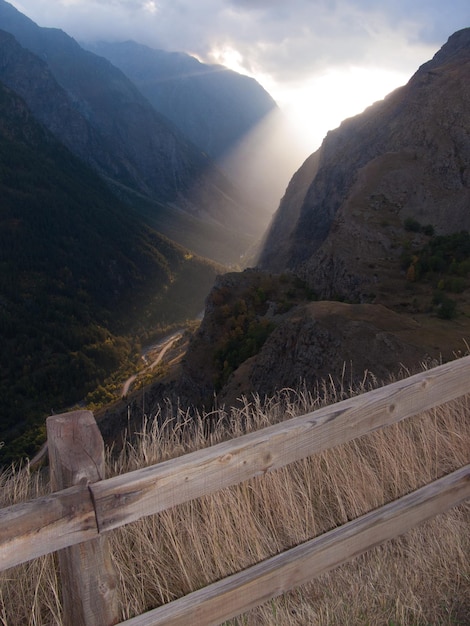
<point x="244" y="331"/>
<point x="245" y="338"/>
<point x="445" y="263"/>
<point x="81" y="276"/>
<point x="242" y="320"/>
<point x="414" y="226"/>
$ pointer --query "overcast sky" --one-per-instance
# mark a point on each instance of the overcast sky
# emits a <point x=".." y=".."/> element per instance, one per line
<point x="321" y="60"/>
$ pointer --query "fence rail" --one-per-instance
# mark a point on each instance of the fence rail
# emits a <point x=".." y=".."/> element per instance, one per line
<point x="92" y="505"/>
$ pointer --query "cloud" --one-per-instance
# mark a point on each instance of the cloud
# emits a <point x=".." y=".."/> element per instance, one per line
<point x="321" y="60"/>
<point x="283" y="39"/>
<point x="286" y="41"/>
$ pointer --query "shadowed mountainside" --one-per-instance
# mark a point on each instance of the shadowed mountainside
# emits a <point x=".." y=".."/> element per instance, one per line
<point x="341" y="223"/>
<point x="377" y="220"/>
<point x="213" y="106"/>
<point x="230" y="117"/>
<point x="105" y="120"/>
<point x="80" y="273"/>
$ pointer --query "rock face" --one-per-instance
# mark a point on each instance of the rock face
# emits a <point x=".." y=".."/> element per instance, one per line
<point x="325" y="339"/>
<point x="343" y="228"/>
<point x="407" y="156"/>
<point x="303" y="341"/>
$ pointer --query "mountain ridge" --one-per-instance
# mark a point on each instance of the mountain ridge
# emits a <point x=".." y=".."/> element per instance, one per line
<point x="81" y="278"/>
<point x="172" y="81"/>
<point x="118" y="132"/>
<point x="228" y="115"/>
<point x="370" y="226"/>
<point x="419" y="123"/>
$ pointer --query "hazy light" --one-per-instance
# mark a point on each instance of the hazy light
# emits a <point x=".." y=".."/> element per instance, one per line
<point x="150" y="6"/>
<point x="313" y="107"/>
<point x="265" y="159"/>
<point x="316" y="106"/>
<point x="229" y="57"/>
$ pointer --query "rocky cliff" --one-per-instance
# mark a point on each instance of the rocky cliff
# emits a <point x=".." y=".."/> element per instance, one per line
<point x="261" y="333"/>
<point x="341" y="222"/>
<point x="371" y="226"/>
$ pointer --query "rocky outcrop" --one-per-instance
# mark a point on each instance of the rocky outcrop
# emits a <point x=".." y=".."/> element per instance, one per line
<point x="305" y="342"/>
<point x="407" y="156"/>
<point x="323" y="339"/>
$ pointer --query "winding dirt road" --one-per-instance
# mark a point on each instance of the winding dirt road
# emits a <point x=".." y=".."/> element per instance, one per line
<point x="162" y="346"/>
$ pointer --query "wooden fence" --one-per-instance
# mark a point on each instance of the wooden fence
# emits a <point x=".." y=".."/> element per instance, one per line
<point x="75" y="519"/>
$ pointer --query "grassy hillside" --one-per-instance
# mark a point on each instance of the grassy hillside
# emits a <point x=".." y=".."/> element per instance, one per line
<point x="420" y="579"/>
<point x="81" y="276"/>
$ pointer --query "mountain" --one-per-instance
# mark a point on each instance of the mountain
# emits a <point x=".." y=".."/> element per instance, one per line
<point x="342" y="222"/>
<point x="81" y="275"/>
<point x="264" y="333"/>
<point x="365" y="270"/>
<point x="229" y="116"/>
<point x="213" y="106"/>
<point x="105" y="120"/>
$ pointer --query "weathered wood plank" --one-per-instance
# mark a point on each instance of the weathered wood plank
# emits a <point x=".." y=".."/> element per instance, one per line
<point x="243" y="591"/>
<point x="128" y="497"/>
<point x="76" y="449"/>
<point x="49" y="523"/>
<point x="89" y="581"/>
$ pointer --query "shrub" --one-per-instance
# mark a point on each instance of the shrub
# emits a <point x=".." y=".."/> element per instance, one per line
<point x="412" y="225"/>
<point x="446" y="307"/>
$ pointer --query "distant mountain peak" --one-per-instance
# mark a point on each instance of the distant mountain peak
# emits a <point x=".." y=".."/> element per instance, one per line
<point x="213" y="106"/>
<point x="99" y="113"/>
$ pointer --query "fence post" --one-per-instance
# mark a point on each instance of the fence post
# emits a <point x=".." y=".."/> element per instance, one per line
<point x="89" y="581"/>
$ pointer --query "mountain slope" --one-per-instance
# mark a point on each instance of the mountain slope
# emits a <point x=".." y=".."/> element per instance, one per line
<point x="112" y="105"/>
<point x="375" y="226"/>
<point x="228" y="115"/>
<point x="116" y="130"/>
<point x="406" y="157"/>
<point x="213" y="106"/>
<point x="79" y="272"/>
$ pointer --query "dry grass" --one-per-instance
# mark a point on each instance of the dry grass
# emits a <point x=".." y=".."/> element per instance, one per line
<point x="421" y="578"/>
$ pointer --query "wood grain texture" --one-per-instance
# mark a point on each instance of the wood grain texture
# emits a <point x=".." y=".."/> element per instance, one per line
<point x="49" y="523"/>
<point x="76" y="514"/>
<point x="243" y="591"/>
<point x="89" y="581"/>
<point x="76" y="449"/>
<point x="129" y="497"/>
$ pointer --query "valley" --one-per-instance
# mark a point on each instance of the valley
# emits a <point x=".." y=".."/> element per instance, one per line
<point x="167" y="263"/>
<point x="152" y="356"/>
<point x="121" y="223"/>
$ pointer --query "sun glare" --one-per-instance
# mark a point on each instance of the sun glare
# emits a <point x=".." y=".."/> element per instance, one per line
<point x="150" y="6"/>
<point x="319" y="104"/>
<point x="322" y="103"/>
<point x="228" y="57"/>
